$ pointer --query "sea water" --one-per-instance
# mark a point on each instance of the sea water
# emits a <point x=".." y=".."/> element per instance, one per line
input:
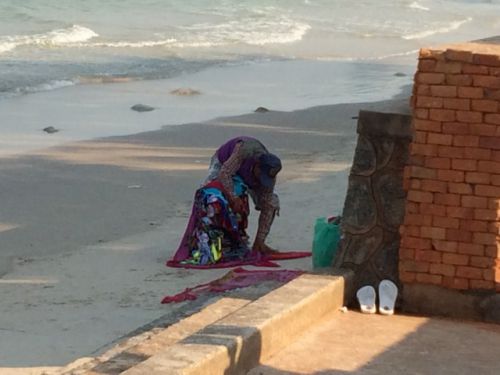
<point x="48" y="44"/>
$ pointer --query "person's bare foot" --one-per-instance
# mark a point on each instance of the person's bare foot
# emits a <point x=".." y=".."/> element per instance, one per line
<point x="264" y="249"/>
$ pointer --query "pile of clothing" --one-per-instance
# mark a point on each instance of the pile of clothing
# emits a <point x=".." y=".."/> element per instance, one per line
<point x="218" y="233"/>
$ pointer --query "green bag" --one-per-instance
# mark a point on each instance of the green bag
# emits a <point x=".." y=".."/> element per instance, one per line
<point x="325" y="241"/>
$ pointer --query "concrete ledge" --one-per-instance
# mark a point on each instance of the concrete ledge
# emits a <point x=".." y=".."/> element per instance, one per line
<point x="237" y="342"/>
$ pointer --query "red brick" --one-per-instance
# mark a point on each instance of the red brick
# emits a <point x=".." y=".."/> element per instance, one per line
<point x="442" y="269"/>
<point x="420" y="137"/>
<point x="484" y="238"/>
<point x="458" y="235"/>
<point x="427" y="125"/>
<point x="484" y="105"/>
<point x="494" y="227"/>
<point x="466" y="140"/>
<point x="474" y="69"/>
<point x="492" y="251"/>
<point x="437" y="163"/>
<point x="480" y="262"/>
<point x="459" y="79"/>
<point x="444" y="91"/>
<point x="474" y="202"/>
<point x="469" y="272"/>
<point x="492" y="118"/>
<point x="481" y="284"/>
<point x="486" y="82"/>
<point x="432" y="209"/>
<point x="449" y="175"/>
<point x="488" y="166"/>
<point x="416" y="160"/>
<point x="483" y="129"/>
<point x="477" y="178"/>
<point x="417" y="219"/>
<point x="470" y="92"/>
<point x="484" y="214"/>
<point x="460" y="212"/>
<point x="495" y="179"/>
<point x="470" y="249"/>
<point x="421" y="113"/>
<point x="434" y="186"/>
<point x="456" y="259"/>
<point x="459" y="188"/>
<point x="446" y="246"/>
<point x="490" y="142"/>
<point x="455" y="283"/>
<point x="429" y="279"/>
<point x="442" y="114"/>
<point x="447" y="199"/>
<point x="429" y="102"/>
<point x="427" y="65"/>
<point x="469" y="116"/>
<point x="414" y="184"/>
<point x="487" y="191"/>
<point x="406" y="253"/>
<point x="492" y="94"/>
<point x="420" y="172"/>
<point x="432" y="232"/>
<point x="464" y="164"/>
<point x="412" y="208"/>
<point x="414" y="266"/>
<point x="428" y="150"/>
<point x="448" y="67"/>
<point x="416" y="243"/>
<point x="474" y="225"/>
<point x="488" y="60"/>
<point x="450" y="152"/>
<point x="494" y="72"/>
<point x="495" y="155"/>
<point x="428" y="256"/>
<point x="407" y="277"/>
<point x="455" y="128"/>
<point x="458" y="55"/>
<point x="477" y="153"/>
<point x="446" y="222"/>
<point x="430" y="78"/>
<point x="489" y="274"/>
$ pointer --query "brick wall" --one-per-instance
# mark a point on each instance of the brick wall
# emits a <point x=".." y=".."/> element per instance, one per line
<point x="451" y="231"/>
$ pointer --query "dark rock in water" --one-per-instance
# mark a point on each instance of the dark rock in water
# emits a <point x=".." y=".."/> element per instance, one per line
<point x="142" y="108"/>
<point x="185" y="92"/>
<point x="399" y="74"/>
<point x="50" y="130"/>
<point x="262" y="110"/>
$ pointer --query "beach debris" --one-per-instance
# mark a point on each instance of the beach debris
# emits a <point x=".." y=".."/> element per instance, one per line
<point x="50" y="130"/>
<point x="261" y="110"/>
<point x="399" y="74"/>
<point x="185" y="91"/>
<point x="142" y="108"/>
<point x="134" y="187"/>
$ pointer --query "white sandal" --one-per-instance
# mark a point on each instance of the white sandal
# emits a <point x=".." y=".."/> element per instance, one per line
<point x="387" y="294"/>
<point x="366" y="298"/>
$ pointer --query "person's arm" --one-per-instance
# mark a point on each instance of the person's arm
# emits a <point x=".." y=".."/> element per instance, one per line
<point x="269" y="207"/>
<point x="226" y="173"/>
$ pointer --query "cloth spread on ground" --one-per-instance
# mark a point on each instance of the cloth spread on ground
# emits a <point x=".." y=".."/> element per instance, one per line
<point x="216" y="237"/>
<point x="234" y="279"/>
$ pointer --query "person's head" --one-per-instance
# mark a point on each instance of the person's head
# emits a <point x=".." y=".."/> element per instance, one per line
<point x="266" y="169"/>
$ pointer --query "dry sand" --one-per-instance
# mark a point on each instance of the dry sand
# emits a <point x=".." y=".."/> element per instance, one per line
<point x="85" y="228"/>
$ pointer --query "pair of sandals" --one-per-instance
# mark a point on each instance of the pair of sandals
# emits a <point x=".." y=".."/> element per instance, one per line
<point x="387" y="294"/>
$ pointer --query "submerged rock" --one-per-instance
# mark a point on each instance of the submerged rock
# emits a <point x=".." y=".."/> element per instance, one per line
<point x="142" y="108"/>
<point x="185" y="92"/>
<point x="399" y="74"/>
<point x="50" y="130"/>
<point x="262" y="110"/>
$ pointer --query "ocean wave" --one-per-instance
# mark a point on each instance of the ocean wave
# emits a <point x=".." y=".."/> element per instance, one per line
<point x="58" y="37"/>
<point x="416" y="5"/>
<point x="252" y="30"/>
<point x="442" y="30"/>
<point x="139" y="44"/>
<point x="46" y="86"/>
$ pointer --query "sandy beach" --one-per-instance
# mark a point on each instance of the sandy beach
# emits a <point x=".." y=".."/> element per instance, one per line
<point x="86" y="227"/>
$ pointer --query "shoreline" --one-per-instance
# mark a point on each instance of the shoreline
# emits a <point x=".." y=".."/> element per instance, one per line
<point x="92" y="223"/>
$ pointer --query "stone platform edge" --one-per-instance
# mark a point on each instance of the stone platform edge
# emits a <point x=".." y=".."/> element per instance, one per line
<point x="239" y="341"/>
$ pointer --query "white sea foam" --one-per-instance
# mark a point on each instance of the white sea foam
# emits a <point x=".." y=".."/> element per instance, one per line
<point x="416" y="5"/>
<point x="47" y="86"/>
<point x="58" y="37"/>
<point x="442" y="30"/>
<point x="139" y="44"/>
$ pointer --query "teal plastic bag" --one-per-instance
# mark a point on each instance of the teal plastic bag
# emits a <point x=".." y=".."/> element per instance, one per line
<point x="325" y="242"/>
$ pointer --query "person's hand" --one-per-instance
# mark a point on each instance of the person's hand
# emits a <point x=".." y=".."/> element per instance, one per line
<point x="262" y="248"/>
<point x="237" y="205"/>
